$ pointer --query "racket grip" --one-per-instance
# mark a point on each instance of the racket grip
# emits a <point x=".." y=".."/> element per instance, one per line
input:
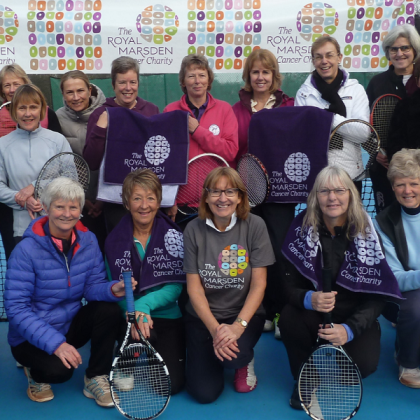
<point x="326" y="288"/>
<point x="129" y="296"/>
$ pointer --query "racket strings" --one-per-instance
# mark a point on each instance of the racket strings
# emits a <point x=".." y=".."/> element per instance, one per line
<point x="140" y="383"/>
<point x="381" y="116"/>
<point x="330" y="384"/>
<point x="254" y="178"/>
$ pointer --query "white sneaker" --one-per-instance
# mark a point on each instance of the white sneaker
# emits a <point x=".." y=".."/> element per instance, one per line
<point x="409" y="377"/>
<point x="124" y="382"/>
<point x="268" y="325"/>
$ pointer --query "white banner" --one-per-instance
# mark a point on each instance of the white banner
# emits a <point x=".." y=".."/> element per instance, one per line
<point x="54" y="36"/>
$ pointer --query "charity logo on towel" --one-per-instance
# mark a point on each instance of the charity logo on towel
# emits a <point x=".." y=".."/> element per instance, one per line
<point x="157" y="150"/>
<point x="297" y="167"/>
<point x="174" y="243"/>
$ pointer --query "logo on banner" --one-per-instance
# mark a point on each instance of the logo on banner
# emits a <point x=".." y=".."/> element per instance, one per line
<point x="9" y="24"/>
<point x="225" y="31"/>
<point x="315" y="20"/>
<point x="297" y="167"/>
<point x="367" y="25"/>
<point x="157" y="150"/>
<point x="368" y="250"/>
<point x="157" y="24"/>
<point x="233" y="260"/>
<point x="174" y="243"/>
<point x="65" y="35"/>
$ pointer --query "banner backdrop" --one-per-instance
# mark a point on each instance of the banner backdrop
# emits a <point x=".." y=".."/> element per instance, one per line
<point x="55" y="36"/>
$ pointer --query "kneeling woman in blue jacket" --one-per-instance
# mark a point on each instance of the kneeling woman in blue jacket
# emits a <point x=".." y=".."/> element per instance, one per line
<point x="58" y="263"/>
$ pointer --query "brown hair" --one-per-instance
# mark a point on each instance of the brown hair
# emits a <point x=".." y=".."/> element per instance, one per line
<point x="243" y="208"/>
<point x="28" y="94"/>
<point x="321" y="41"/>
<point x="17" y="71"/>
<point x="123" y="65"/>
<point x="144" y="178"/>
<point x="77" y="74"/>
<point x="195" y="60"/>
<point x="269" y="61"/>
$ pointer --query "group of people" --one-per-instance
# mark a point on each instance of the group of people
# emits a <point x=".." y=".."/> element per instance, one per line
<point x="239" y="267"/>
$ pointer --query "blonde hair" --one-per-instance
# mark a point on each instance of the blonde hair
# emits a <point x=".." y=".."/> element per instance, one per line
<point x="404" y="164"/>
<point x="357" y="220"/>
<point x="26" y="94"/>
<point x="17" y="71"/>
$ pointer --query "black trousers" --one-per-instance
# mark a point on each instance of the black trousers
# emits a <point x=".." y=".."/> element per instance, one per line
<point x="96" y="321"/>
<point x="383" y="194"/>
<point x="205" y="380"/>
<point x="168" y="339"/>
<point x="299" y="328"/>
<point x="278" y="218"/>
<point x="6" y="229"/>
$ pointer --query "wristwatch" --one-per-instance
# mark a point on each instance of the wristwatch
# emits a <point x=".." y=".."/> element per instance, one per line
<point x="242" y="322"/>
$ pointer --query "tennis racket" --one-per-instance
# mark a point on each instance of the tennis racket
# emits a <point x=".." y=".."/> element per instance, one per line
<point x="139" y="378"/>
<point x="255" y="177"/>
<point x="69" y="165"/>
<point x="380" y="117"/>
<point x="7" y="125"/>
<point x="330" y="384"/>
<point x="355" y="133"/>
<point x="189" y="195"/>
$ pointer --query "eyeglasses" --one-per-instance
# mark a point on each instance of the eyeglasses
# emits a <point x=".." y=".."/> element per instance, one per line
<point x="317" y="58"/>
<point x="325" y="192"/>
<point x="403" y="49"/>
<point x="230" y="192"/>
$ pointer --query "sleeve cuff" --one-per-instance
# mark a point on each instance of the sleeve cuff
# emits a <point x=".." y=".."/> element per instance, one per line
<point x="307" y="302"/>
<point x="350" y="334"/>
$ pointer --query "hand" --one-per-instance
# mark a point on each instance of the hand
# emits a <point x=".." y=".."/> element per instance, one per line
<point x="33" y="206"/>
<point x="171" y="212"/>
<point x="94" y="209"/>
<point x="24" y="194"/>
<point x="68" y="355"/>
<point x="103" y="120"/>
<point x="382" y="159"/>
<point x="145" y="326"/>
<point x="192" y="124"/>
<point x="337" y="336"/>
<point x="323" y="302"/>
<point x="118" y="289"/>
<point x="228" y="352"/>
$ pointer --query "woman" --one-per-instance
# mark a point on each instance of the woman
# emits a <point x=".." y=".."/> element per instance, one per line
<point x="80" y="99"/>
<point x="401" y="46"/>
<point x="125" y="82"/>
<point x="405" y="123"/>
<point x="398" y="226"/>
<point x="58" y="263"/>
<point x="11" y="77"/>
<point x="227" y="251"/>
<point x="329" y="87"/>
<point x="23" y="153"/>
<point x="335" y="232"/>
<point x="212" y="125"/>
<point x="151" y="245"/>
<point x="262" y="91"/>
<point x="262" y="79"/>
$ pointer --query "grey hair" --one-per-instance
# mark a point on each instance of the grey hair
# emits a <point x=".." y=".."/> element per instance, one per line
<point x="62" y="188"/>
<point x="335" y="176"/>
<point x="122" y="65"/>
<point x="406" y="31"/>
<point x="404" y="164"/>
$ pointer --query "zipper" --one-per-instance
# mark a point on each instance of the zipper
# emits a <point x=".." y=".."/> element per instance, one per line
<point x="68" y="270"/>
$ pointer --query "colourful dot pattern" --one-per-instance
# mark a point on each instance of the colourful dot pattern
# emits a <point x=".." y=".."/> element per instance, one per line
<point x="65" y="35"/>
<point x="157" y="24"/>
<point x="297" y="167"/>
<point x="368" y="22"/>
<point x="315" y="20"/>
<point x="233" y="260"/>
<point x="9" y="24"/>
<point x="226" y="31"/>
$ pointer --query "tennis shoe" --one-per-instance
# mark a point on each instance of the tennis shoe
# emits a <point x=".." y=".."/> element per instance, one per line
<point x="409" y="377"/>
<point x="38" y="392"/>
<point x="277" y="333"/>
<point x="124" y="382"/>
<point x="97" y="388"/>
<point x="245" y="379"/>
<point x="268" y="325"/>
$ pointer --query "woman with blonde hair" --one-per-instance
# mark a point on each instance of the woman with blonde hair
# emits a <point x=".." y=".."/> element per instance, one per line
<point x="334" y="233"/>
<point x="227" y="251"/>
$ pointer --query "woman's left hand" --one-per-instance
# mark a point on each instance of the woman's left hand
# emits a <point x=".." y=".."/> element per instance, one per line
<point x="337" y="336"/>
<point x="145" y="323"/>
<point x="192" y="124"/>
<point x="227" y="334"/>
<point x="24" y="194"/>
<point x="33" y="206"/>
<point x="118" y="289"/>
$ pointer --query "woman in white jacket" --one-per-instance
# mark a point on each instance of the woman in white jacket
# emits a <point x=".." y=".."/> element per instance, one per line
<point x="329" y="87"/>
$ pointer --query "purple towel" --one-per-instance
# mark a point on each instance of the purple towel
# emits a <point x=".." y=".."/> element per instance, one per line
<point x="159" y="143"/>
<point x="292" y="143"/>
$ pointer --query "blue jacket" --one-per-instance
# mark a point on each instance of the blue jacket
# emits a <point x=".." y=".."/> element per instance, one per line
<point x="42" y="295"/>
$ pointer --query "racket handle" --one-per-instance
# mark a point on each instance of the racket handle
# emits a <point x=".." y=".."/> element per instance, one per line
<point x="326" y="288"/>
<point x="129" y="296"/>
